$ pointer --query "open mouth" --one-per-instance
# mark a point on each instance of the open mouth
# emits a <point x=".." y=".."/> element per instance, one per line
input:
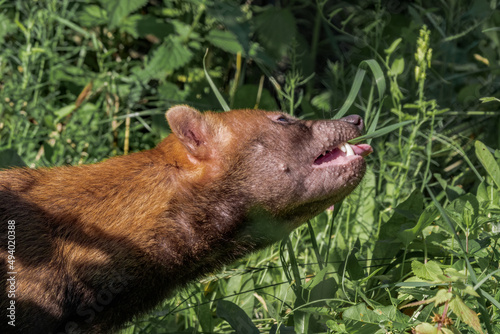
<point x="342" y="154"/>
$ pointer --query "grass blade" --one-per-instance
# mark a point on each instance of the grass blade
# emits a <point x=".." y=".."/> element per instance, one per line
<point x="236" y="317"/>
<point x="315" y="245"/>
<point x="487" y="277"/>
<point x="379" y="132"/>
<point x="488" y="161"/>
<point x="72" y="25"/>
<point x="378" y="75"/>
<point x="459" y="150"/>
<point x="490" y="298"/>
<point x="374" y="122"/>
<point x="221" y="100"/>
<point x="356" y="85"/>
<point x="482" y="301"/>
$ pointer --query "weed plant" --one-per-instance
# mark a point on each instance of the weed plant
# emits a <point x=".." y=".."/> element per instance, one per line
<point x="413" y="250"/>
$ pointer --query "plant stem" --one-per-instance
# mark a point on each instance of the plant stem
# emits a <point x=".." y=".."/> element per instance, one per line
<point x="445" y="312"/>
<point x="201" y="10"/>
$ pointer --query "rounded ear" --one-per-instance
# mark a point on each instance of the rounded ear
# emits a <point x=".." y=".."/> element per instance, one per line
<point x="190" y="126"/>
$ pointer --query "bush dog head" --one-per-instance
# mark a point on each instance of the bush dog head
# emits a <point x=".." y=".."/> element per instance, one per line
<point x="99" y="244"/>
<point x="286" y="167"/>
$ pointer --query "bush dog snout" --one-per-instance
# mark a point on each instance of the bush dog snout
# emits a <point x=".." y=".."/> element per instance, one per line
<point x="96" y="245"/>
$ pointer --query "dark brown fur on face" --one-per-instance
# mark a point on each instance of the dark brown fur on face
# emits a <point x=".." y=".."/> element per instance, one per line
<point x="96" y="245"/>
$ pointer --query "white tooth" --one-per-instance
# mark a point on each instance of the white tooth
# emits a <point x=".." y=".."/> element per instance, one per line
<point x="349" y="150"/>
<point x="342" y="148"/>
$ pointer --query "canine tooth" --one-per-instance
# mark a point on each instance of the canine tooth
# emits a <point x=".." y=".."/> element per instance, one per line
<point x="342" y="148"/>
<point x="349" y="150"/>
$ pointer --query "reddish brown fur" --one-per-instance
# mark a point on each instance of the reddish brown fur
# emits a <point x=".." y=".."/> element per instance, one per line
<point x="99" y="244"/>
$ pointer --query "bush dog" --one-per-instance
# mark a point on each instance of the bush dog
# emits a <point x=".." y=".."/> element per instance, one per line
<point x="87" y="248"/>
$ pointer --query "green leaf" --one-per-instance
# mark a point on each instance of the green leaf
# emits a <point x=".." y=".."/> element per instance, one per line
<point x="452" y="192"/>
<point x="129" y="25"/>
<point x="336" y="327"/>
<point x="151" y="25"/>
<point x="235" y="285"/>
<point x="171" y="92"/>
<point x="93" y="15"/>
<point x="442" y="296"/>
<point x="271" y="309"/>
<point x="325" y="289"/>
<point x="48" y="152"/>
<point x="426" y="218"/>
<point x="64" y="111"/>
<point x="361" y="313"/>
<point x="488" y="161"/>
<point x="398" y="66"/>
<point x="276" y="29"/>
<point x="169" y="56"/>
<point x="466" y="204"/>
<point x="470" y="291"/>
<point x="465" y="313"/>
<point x="489" y="99"/>
<point x="482" y="302"/>
<point x="358" y="327"/>
<point x="301" y="321"/>
<point x="393" y="46"/>
<point x="320" y="276"/>
<point x="368" y="321"/>
<point x="391" y="314"/>
<point x="118" y="10"/>
<point x="10" y="158"/>
<point x="482" y="192"/>
<point x="236" y="317"/>
<point x="262" y="59"/>
<point x="235" y="19"/>
<point x="455" y="275"/>
<point x="355" y="270"/>
<point x="425" y="328"/>
<point x="204" y="313"/>
<point x="427" y="271"/>
<point x="6" y="27"/>
<point x="406" y="215"/>
<point x="447" y="331"/>
<point x="225" y="40"/>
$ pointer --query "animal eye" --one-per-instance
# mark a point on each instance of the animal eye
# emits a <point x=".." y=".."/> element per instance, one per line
<point x="282" y="119"/>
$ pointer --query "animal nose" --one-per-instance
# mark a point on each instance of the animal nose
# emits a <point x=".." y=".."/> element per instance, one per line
<point x="355" y="120"/>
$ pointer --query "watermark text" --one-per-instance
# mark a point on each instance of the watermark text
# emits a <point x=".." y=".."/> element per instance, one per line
<point x="11" y="273"/>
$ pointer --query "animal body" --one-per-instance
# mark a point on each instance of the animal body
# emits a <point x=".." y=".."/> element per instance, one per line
<point x="85" y="249"/>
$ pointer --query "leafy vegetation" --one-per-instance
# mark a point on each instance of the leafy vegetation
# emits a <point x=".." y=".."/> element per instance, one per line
<point x="413" y="250"/>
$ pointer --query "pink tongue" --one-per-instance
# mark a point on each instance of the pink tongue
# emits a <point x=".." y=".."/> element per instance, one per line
<point x="340" y="157"/>
<point x="362" y="149"/>
<point x="332" y="155"/>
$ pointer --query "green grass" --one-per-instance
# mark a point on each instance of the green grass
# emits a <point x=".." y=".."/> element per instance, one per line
<point x="81" y="81"/>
